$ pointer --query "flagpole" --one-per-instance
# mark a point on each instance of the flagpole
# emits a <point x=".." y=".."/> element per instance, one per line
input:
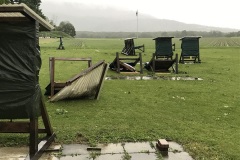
<point x="137" y="22"/>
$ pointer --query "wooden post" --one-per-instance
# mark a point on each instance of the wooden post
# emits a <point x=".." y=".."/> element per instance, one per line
<point x="141" y="67"/>
<point x="33" y="139"/>
<point x="118" y="63"/>
<point x="176" y="61"/>
<point x="52" y="71"/>
<point x="153" y="58"/>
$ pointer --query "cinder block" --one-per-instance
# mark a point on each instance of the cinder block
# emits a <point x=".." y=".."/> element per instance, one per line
<point x="162" y="145"/>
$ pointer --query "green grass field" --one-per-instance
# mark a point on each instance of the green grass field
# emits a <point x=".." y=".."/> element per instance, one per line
<point x="203" y="116"/>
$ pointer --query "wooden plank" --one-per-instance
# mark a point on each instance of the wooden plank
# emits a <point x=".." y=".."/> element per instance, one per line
<point x="118" y="62"/>
<point x="14" y="127"/>
<point x="45" y="118"/>
<point x="141" y="67"/>
<point x="33" y="139"/>
<point x="72" y="59"/>
<point x="52" y="71"/>
<point x="126" y="66"/>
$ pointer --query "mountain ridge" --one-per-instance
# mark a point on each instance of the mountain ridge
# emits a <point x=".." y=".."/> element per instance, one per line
<point x="96" y="19"/>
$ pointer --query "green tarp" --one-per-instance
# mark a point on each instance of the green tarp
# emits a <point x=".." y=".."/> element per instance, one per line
<point x="19" y="67"/>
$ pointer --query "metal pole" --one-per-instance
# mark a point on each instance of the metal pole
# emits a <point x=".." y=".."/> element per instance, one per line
<point x="137" y="22"/>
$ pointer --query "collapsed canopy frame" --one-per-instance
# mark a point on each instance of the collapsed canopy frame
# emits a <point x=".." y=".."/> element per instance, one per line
<point x="87" y="83"/>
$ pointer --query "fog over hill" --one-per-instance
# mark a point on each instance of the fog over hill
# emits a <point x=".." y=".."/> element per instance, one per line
<point x="93" y="18"/>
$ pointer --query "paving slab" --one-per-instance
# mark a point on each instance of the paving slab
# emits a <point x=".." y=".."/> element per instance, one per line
<point x="143" y="156"/>
<point x="138" y="147"/>
<point x="72" y="149"/>
<point x="178" y="156"/>
<point x="10" y="153"/>
<point x="111" y="148"/>
<point x="110" y="157"/>
<point x="20" y="153"/>
<point x="77" y="157"/>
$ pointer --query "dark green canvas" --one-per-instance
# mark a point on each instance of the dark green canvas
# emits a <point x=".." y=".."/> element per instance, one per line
<point x="190" y="46"/>
<point x="163" y="46"/>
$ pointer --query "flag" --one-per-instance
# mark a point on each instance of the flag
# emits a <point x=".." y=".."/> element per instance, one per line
<point x="137" y="13"/>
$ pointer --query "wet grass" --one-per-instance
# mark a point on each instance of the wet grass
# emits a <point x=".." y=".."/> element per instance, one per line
<point x="203" y="116"/>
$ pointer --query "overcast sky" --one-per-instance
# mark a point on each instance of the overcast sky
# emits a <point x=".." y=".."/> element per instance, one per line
<point x="216" y="13"/>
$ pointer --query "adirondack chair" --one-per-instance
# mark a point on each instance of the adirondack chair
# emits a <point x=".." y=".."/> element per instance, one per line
<point x="164" y="47"/>
<point x="87" y="83"/>
<point x="129" y="48"/>
<point x="21" y="102"/>
<point x="126" y="64"/>
<point x="190" y="50"/>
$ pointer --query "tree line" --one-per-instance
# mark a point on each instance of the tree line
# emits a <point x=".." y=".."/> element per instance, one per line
<point x="176" y="34"/>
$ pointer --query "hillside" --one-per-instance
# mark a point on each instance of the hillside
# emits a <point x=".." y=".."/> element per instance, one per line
<point x="89" y="18"/>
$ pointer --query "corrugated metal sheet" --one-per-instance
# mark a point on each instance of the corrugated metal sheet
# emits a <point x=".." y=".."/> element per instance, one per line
<point x="87" y="85"/>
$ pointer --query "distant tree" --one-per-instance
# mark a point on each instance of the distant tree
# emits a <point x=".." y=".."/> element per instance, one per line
<point x="66" y="27"/>
<point x="35" y="6"/>
<point x="165" y="34"/>
<point x="184" y="33"/>
<point x="238" y="34"/>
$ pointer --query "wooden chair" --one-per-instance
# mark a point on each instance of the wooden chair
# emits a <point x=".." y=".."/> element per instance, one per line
<point x="126" y="64"/>
<point x="129" y="48"/>
<point x="190" y="50"/>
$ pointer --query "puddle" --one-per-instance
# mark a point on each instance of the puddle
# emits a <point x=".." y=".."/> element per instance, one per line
<point x="111" y="148"/>
<point x="153" y="78"/>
